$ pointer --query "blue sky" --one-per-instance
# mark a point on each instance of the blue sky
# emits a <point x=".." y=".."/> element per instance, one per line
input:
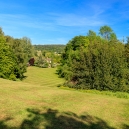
<point x="58" y="21"/>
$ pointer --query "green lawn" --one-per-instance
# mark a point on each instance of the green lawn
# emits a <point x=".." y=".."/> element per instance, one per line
<point x="37" y="103"/>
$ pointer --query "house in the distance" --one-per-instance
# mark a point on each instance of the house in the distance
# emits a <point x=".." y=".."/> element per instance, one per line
<point x="31" y="62"/>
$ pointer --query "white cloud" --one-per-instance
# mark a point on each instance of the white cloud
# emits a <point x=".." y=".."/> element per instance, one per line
<point x="20" y="21"/>
<point x="77" y="20"/>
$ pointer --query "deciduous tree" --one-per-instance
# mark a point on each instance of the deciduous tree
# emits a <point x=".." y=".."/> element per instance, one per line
<point x="105" y="32"/>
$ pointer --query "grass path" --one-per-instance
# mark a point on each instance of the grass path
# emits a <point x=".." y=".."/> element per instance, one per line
<point x="43" y="77"/>
<point x="37" y="103"/>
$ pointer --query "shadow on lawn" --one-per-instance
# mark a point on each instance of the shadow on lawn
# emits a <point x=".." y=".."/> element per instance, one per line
<point x="23" y="78"/>
<point x="53" y="119"/>
<point x="125" y="126"/>
<point x="3" y="124"/>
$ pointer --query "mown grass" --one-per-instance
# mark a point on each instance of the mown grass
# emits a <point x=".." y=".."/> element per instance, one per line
<point x="37" y="103"/>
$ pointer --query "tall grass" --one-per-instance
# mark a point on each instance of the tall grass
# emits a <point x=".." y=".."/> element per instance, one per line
<point x="117" y="94"/>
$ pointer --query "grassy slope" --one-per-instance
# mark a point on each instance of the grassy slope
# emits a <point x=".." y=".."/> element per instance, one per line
<point x="38" y="103"/>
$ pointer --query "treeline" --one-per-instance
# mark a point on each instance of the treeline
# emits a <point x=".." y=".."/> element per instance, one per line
<point x="14" y="55"/>
<point x="48" y="55"/>
<point x="45" y="59"/>
<point x="96" y="62"/>
<point x="51" y="48"/>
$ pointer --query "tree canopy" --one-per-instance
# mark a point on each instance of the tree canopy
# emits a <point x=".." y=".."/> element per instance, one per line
<point x="105" y="32"/>
<point x="14" y="55"/>
<point x="91" y="62"/>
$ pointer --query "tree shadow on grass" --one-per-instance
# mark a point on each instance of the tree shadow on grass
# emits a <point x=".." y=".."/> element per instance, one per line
<point x="125" y="126"/>
<point x="53" y="119"/>
<point x="3" y="124"/>
<point x="24" y="77"/>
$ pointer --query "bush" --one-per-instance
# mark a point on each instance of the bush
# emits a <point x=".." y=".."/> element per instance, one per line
<point x="94" y="64"/>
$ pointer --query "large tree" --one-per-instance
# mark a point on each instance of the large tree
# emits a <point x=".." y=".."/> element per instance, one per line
<point x="105" y="32"/>
<point x="14" y="55"/>
<point x="71" y="50"/>
<point x="8" y="65"/>
<point x="28" y="48"/>
<point x="94" y="64"/>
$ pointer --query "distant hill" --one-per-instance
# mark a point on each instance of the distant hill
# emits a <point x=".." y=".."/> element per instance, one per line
<point x="51" y="48"/>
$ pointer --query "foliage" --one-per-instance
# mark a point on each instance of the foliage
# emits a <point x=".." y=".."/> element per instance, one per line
<point x="28" y="48"/>
<point x="71" y="51"/>
<point x="14" y="55"/>
<point x="41" y="62"/>
<point x="8" y="65"/>
<point x="127" y="51"/>
<point x="91" y="33"/>
<point x="1" y="32"/>
<point x="90" y="62"/>
<point x="48" y="55"/>
<point x="47" y="59"/>
<point x="105" y="32"/>
<point x="50" y="48"/>
<point x="113" y="37"/>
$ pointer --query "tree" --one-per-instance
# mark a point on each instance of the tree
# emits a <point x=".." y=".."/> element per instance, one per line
<point x="28" y="48"/>
<point x="14" y="56"/>
<point x="91" y="33"/>
<point x="127" y="51"/>
<point x="8" y="65"/>
<point x="1" y="32"/>
<point x="105" y="32"/>
<point x="71" y="51"/>
<point x="113" y="37"/>
<point x="127" y="40"/>
<point x="94" y="64"/>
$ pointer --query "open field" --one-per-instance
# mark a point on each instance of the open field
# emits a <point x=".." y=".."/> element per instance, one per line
<point x="37" y="103"/>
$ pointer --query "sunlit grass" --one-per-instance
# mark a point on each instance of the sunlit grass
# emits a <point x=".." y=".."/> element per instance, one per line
<point x="39" y="91"/>
<point x="109" y="93"/>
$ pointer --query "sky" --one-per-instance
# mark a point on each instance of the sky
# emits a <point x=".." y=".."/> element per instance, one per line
<point x="58" y="21"/>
